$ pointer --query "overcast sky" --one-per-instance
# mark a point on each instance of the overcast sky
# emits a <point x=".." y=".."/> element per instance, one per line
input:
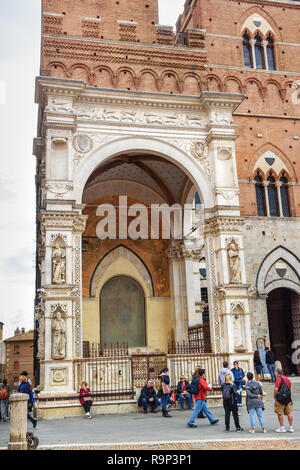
<point x="19" y="64"/>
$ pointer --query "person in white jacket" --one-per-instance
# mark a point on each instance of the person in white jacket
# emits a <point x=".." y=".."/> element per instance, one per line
<point x="223" y="372"/>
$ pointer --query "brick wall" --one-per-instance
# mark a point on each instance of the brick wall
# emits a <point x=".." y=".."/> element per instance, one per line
<point x="17" y="363"/>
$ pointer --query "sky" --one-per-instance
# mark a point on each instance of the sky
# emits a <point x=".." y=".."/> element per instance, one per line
<point x="19" y="65"/>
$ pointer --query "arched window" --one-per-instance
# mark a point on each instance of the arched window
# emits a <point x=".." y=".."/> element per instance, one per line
<point x="270" y="54"/>
<point x="284" y="195"/>
<point x="259" y="53"/>
<point x="247" y="51"/>
<point x="260" y="196"/>
<point x="272" y="197"/>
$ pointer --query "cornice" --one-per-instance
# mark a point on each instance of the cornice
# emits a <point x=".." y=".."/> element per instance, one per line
<point x="225" y="224"/>
<point x="79" y="92"/>
<point x="271" y="3"/>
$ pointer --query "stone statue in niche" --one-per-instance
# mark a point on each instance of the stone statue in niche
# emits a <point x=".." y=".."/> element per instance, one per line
<point x="234" y="263"/>
<point x="58" y="328"/>
<point x="59" y="263"/>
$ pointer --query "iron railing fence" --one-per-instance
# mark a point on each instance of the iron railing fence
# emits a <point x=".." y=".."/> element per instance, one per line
<point x="109" y="378"/>
<point x="113" y="374"/>
<point x="185" y="364"/>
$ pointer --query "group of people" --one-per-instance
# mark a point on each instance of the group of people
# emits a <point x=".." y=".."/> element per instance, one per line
<point x="232" y="382"/>
<point x="25" y="386"/>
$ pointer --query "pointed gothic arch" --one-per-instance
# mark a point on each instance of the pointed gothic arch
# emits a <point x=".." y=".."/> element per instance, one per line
<point x="121" y="252"/>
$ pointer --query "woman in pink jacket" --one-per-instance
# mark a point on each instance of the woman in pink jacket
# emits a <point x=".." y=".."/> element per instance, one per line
<point x="85" y="398"/>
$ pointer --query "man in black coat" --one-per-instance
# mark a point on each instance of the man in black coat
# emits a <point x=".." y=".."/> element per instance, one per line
<point x="270" y="361"/>
<point x="148" y="395"/>
<point x="184" y="391"/>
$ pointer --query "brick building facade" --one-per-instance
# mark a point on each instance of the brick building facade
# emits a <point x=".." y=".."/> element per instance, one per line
<point x="19" y="356"/>
<point x="208" y="113"/>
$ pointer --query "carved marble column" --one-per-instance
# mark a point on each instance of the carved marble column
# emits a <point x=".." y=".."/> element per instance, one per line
<point x="59" y="311"/>
<point x="181" y="258"/>
<point x="228" y="289"/>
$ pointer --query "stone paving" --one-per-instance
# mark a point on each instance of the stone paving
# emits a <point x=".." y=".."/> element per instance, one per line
<point x="137" y="431"/>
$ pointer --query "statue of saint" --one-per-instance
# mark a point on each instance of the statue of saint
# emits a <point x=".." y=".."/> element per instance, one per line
<point x="58" y="264"/>
<point x="58" y="337"/>
<point x="234" y="264"/>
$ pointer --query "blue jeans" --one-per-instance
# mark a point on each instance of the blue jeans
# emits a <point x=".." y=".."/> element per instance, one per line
<point x="259" y="415"/>
<point x="271" y="369"/>
<point x="239" y="386"/>
<point x="189" y="399"/>
<point x="164" y="401"/>
<point x="145" y="402"/>
<point x="201" y="406"/>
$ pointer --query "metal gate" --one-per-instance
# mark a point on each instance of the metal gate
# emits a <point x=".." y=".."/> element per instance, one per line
<point x="147" y="367"/>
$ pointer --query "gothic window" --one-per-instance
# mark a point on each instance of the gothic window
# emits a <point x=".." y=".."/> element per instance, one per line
<point x="270" y="54"/>
<point x="272" y="197"/>
<point x="247" y="51"/>
<point x="284" y="195"/>
<point x="259" y="53"/>
<point x="260" y="196"/>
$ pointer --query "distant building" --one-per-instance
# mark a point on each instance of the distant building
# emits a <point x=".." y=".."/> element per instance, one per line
<point x="19" y="355"/>
<point x="2" y="353"/>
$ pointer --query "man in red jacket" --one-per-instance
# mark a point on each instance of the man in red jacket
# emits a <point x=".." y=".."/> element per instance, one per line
<point x="200" y="400"/>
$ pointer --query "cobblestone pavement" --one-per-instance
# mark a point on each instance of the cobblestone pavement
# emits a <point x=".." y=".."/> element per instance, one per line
<point x="220" y="445"/>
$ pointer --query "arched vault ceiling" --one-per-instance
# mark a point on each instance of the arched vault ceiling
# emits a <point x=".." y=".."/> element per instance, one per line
<point x="161" y="176"/>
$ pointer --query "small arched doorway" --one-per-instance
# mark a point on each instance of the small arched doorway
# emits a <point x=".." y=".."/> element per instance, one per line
<point x="284" y="325"/>
<point x="122" y="312"/>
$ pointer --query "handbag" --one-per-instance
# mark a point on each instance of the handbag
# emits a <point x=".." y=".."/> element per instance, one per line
<point x="165" y="388"/>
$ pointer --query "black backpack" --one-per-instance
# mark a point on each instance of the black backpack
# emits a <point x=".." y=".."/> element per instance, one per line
<point x="195" y="386"/>
<point x="227" y="392"/>
<point x="284" y="394"/>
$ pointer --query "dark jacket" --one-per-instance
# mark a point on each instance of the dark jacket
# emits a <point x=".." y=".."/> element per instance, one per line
<point x="24" y="388"/>
<point x="147" y="392"/>
<point x="232" y="401"/>
<point x="257" y="361"/>
<point x="253" y="389"/>
<point x="270" y="358"/>
<point x="179" y="387"/>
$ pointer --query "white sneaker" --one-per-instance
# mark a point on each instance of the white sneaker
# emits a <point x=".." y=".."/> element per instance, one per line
<point x="252" y="431"/>
<point x="281" y="429"/>
<point x="291" y="429"/>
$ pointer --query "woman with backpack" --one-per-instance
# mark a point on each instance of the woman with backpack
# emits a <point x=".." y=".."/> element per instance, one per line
<point x="4" y="397"/>
<point x="254" y="402"/>
<point x="230" y="396"/>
